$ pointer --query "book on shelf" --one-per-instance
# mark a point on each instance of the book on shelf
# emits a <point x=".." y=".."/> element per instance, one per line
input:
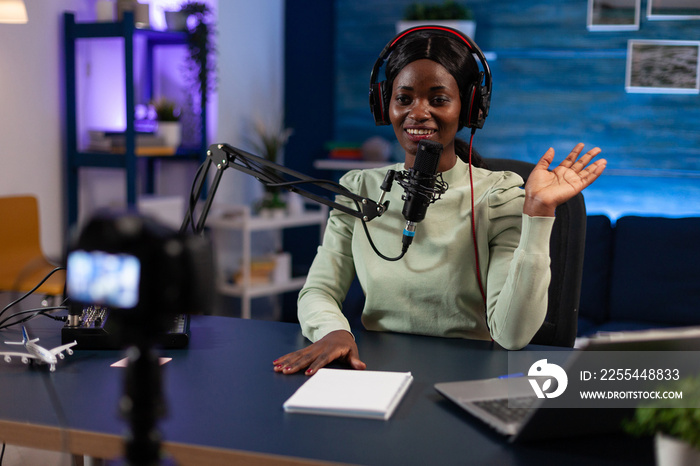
<point x="264" y="270"/>
<point x="353" y="393"/>
<point x="115" y="141"/>
<point x="147" y="150"/>
<point x="344" y="150"/>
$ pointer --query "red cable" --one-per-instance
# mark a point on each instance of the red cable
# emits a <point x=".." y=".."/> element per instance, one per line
<point x="476" y="249"/>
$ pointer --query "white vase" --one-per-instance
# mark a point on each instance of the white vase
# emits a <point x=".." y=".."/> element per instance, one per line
<point x="673" y="452"/>
<point x="175" y="20"/>
<point x="171" y="132"/>
<point x="468" y="27"/>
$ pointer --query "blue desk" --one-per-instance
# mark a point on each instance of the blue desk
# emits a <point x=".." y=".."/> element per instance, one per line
<point x="225" y="404"/>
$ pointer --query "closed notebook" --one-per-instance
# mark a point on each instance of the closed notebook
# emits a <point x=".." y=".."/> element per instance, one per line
<point x="341" y="392"/>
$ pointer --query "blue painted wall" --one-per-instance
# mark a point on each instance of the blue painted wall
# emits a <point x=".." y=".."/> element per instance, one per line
<point x="555" y="83"/>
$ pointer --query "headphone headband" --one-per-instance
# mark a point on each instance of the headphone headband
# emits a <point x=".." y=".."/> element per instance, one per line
<point x="479" y="95"/>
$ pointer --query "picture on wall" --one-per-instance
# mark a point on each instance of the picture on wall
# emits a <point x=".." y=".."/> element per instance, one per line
<point x="673" y="9"/>
<point x="663" y="67"/>
<point x="613" y="15"/>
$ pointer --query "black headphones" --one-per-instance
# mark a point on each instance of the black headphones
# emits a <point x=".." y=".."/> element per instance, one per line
<point x="479" y="96"/>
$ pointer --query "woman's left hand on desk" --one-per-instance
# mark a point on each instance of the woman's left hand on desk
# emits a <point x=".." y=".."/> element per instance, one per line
<point x="337" y="345"/>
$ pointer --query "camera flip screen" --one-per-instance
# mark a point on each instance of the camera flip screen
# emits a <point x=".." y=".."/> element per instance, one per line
<point x="101" y="278"/>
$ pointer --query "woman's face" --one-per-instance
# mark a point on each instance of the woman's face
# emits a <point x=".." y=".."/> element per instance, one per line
<point x="425" y="104"/>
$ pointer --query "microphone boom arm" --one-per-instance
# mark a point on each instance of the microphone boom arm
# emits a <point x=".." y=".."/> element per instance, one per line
<point x="271" y="174"/>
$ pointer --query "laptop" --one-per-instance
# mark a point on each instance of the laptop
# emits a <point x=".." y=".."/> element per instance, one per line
<point x="528" y="417"/>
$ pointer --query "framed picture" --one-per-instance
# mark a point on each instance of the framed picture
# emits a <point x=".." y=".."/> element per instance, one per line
<point x="663" y="67"/>
<point x="613" y="15"/>
<point x="673" y="9"/>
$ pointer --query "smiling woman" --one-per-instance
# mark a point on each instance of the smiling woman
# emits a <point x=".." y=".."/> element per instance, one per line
<point x="433" y="88"/>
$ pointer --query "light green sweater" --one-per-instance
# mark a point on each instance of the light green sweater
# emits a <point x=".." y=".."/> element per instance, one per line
<point x="433" y="290"/>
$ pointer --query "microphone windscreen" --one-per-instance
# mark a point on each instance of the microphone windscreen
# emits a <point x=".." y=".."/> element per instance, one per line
<point x="427" y="157"/>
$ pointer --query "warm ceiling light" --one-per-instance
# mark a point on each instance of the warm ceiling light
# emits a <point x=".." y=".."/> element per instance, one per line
<point x="13" y="11"/>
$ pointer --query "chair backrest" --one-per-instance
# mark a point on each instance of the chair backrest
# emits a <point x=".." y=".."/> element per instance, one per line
<point x="23" y="264"/>
<point x="566" y="249"/>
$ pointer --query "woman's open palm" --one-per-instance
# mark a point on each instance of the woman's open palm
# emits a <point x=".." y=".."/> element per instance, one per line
<point x="546" y="189"/>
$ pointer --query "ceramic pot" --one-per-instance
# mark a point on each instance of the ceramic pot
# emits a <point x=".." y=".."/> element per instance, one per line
<point x="671" y="451"/>
<point x="171" y="132"/>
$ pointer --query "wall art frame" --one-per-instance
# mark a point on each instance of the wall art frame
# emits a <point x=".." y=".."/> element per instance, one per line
<point x="663" y="67"/>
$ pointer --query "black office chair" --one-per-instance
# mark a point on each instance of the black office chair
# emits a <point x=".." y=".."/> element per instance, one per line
<point x="566" y="249"/>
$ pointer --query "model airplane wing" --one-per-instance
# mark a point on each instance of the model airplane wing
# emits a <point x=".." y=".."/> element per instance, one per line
<point x="57" y="351"/>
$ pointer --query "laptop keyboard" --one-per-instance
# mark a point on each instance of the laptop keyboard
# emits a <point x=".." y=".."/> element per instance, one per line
<point x="510" y="410"/>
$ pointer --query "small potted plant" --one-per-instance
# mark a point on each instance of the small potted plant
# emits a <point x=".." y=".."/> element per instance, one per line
<point x="269" y="143"/>
<point x="450" y="13"/>
<point x="674" y="423"/>
<point x="197" y="20"/>
<point x="200" y="45"/>
<point x="168" y="117"/>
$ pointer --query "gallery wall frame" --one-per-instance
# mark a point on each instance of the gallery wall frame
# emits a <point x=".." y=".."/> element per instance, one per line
<point x="663" y="67"/>
<point x="613" y="15"/>
<point x="678" y="10"/>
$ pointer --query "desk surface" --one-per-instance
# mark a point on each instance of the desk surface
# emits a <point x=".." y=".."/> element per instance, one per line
<point x="225" y="403"/>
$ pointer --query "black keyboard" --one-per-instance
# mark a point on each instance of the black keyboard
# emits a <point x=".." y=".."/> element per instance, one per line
<point x="511" y="410"/>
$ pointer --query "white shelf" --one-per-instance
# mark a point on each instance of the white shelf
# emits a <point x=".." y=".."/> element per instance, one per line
<point x="331" y="164"/>
<point x="239" y="218"/>
<point x="256" y="291"/>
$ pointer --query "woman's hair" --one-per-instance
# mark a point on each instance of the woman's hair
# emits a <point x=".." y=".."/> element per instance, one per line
<point x="454" y="56"/>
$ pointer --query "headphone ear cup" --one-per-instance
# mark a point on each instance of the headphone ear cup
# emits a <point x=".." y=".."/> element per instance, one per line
<point x="470" y="108"/>
<point x="474" y="112"/>
<point x="379" y="103"/>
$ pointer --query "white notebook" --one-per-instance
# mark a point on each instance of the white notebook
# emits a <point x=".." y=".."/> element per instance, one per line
<point x="341" y="392"/>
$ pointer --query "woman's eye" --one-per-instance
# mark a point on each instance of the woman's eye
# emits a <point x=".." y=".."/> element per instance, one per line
<point x="403" y="99"/>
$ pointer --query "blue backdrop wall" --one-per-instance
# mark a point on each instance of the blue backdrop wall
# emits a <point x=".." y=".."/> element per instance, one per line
<point x="555" y="83"/>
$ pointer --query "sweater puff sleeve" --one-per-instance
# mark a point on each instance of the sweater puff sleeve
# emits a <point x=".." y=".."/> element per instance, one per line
<point x="319" y="306"/>
<point x="518" y="269"/>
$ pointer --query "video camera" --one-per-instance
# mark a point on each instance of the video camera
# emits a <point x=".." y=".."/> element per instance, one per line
<point x="143" y="271"/>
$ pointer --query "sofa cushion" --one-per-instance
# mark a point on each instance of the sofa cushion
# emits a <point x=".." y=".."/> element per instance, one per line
<point x="595" y="283"/>
<point x="656" y="271"/>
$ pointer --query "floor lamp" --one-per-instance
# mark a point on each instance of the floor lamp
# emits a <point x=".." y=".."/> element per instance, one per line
<point x="13" y="12"/>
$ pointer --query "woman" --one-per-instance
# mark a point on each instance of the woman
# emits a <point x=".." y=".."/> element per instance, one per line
<point x="437" y="288"/>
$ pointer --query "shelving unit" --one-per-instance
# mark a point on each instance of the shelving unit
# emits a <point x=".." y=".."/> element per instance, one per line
<point x="241" y="219"/>
<point x="127" y="160"/>
<point x="330" y="164"/>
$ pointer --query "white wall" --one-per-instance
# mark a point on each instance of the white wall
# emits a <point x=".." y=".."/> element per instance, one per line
<point x="32" y="142"/>
<point x="251" y="82"/>
<point x="31" y="89"/>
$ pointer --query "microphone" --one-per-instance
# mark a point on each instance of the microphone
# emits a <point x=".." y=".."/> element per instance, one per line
<point x="419" y="187"/>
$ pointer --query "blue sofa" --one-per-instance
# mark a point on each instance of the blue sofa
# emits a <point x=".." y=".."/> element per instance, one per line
<point x="640" y="273"/>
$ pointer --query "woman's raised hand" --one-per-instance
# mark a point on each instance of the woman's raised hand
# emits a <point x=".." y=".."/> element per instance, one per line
<point x="546" y="189"/>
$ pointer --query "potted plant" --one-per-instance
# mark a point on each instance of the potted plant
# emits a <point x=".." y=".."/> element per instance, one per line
<point x="450" y="13"/>
<point x="168" y="116"/>
<point x="197" y="20"/>
<point x="200" y="46"/>
<point x="675" y="424"/>
<point x="269" y="143"/>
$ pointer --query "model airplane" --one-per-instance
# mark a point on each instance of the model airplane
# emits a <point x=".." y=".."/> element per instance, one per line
<point x="36" y="352"/>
